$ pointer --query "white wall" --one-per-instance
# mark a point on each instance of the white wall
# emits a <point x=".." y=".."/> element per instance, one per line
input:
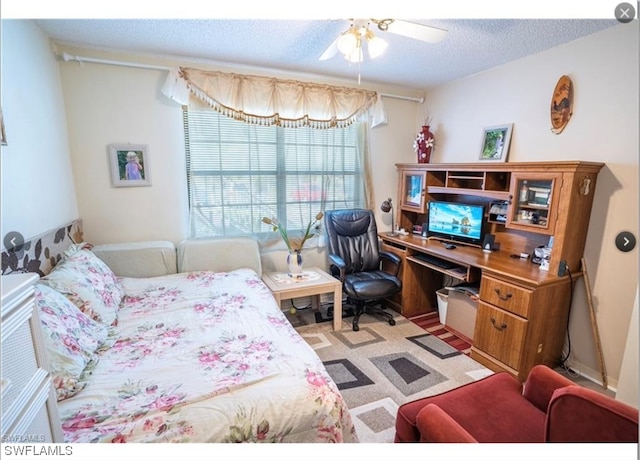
<point x="628" y="381"/>
<point x="37" y="184"/>
<point x="604" y="128"/>
<point x="106" y="105"/>
<point x="110" y="104"/>
<point x="391" y="144"/>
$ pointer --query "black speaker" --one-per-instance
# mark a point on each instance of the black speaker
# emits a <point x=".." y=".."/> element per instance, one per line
<point x="488" y="244"/>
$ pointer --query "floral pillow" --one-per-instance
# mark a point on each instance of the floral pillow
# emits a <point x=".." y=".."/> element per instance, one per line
<point x="89" y="283"/>
<point x="72" y="339"/>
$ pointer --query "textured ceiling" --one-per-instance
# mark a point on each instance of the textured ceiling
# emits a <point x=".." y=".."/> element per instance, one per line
<point x="471" y="45"/>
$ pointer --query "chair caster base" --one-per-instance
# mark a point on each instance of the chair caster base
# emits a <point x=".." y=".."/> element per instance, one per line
<point x="392" y="322"/>
<point x="356" y="328"/>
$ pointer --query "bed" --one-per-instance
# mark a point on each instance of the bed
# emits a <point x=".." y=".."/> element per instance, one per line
<point x="190" y="356"/>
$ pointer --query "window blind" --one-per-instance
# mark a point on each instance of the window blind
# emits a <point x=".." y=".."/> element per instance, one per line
<point x="238" y="173"/>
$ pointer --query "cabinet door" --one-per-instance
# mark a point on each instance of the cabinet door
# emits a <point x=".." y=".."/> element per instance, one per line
<point x="535" y="201"/>
<point x="500" y="334"/>
<point x="413" y="191"/>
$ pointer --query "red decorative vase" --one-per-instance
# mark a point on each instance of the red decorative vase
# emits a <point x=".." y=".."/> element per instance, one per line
<point x="424" y="144"/>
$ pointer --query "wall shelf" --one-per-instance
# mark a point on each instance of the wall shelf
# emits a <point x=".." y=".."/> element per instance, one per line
<point x="493" y="194"/>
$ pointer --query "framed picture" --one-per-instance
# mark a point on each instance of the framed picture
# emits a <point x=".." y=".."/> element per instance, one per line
<point x="3" y="135"/>
<point x="129" y="165"/>
<point x="413" y="191"/>
<point x="495" y="143"/>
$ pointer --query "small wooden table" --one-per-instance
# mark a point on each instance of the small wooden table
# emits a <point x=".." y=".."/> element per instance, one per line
<point x="313" y="283"/>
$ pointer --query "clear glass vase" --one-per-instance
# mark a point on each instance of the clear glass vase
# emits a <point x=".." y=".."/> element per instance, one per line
<point x="294" y="262"/>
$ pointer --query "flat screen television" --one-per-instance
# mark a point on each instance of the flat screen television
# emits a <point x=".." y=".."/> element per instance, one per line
<point x="453" y="221"/>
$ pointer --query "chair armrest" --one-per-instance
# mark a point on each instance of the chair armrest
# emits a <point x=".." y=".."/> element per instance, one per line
<point x="393" y="258"/>
<point x="541" y="382"/>
<point x="578" y="414"/>
<point x="435" y="425"/>
<point x="338" y="262"/>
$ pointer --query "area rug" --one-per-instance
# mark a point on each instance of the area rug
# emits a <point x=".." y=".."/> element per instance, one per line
<point x="431" y="323"/>
<point x="381" y="366"/>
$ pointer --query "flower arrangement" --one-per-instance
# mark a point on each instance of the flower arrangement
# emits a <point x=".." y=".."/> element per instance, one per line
<point x="421" y="145"/>
<point x="424" y="142"/>
<point x="294" y="244"/>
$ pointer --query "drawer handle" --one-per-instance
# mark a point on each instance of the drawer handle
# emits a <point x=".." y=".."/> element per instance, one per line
<point x="502" y="327"/>
<point x="503" y="297"/>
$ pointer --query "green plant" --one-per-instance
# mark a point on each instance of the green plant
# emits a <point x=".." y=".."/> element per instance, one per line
<point x="294" y="244"/>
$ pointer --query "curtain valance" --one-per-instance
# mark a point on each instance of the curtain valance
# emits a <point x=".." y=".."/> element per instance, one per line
<point x="271" y="101"/>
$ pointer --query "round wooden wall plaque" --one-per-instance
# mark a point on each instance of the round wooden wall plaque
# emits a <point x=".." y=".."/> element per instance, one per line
<point x="561" y="104"/>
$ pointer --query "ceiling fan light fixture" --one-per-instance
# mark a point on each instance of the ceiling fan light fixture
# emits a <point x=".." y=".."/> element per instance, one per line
<point x="376" y="45"/>
<point x="350" y="45"/>
<point x="351" y="42"/>
<point x="383" y="24"/>
<point x="355" y="56"/>
<point x="348" y="41"/>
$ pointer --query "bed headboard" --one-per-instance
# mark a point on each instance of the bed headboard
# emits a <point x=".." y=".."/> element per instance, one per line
<point x="40" y="254"/>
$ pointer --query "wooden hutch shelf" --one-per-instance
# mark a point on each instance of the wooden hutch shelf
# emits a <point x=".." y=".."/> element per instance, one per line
<point x="525" y="205"/>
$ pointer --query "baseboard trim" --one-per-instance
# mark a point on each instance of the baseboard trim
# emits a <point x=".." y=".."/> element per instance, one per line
<point x="593" y="376"/>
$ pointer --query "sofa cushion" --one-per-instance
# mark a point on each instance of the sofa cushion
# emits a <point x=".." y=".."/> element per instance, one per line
<point x="219" y="255"/>
<point x="144" y="259"/>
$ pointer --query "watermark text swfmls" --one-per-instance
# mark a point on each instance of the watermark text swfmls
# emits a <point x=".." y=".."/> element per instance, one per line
<point x="29" y="450"/>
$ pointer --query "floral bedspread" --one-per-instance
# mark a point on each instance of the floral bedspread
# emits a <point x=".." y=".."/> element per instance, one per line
<point x="206" y="357"/>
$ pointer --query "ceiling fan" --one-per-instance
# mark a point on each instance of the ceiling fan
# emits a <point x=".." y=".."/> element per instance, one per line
<point x="350" y="43"/>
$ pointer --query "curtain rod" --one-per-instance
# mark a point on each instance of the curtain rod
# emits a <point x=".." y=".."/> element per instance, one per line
<point x="82" y="59"/>
<point x="406" y="98"/>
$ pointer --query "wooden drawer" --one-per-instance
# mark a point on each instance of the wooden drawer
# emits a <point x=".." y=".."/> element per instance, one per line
<point x="505" y="295"/>
<point x="500" y="334"/>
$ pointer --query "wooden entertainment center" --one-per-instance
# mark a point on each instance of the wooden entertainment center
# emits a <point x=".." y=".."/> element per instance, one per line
<point x="522" y="309"/>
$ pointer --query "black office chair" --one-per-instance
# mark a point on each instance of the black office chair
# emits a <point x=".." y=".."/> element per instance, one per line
<point x="357" y="262"/>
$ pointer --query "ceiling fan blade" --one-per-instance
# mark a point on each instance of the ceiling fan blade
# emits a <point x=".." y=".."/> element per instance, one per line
<point x="331" y="51"/>
<point x="417" y="31"/>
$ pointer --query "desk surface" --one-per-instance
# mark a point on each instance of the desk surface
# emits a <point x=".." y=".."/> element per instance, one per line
<point x="499" y="263"/>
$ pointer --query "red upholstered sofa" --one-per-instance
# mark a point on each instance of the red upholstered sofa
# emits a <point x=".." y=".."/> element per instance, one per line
<point x="551" y="408"/>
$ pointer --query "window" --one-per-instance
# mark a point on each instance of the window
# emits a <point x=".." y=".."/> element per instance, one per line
<point x="238" y="173"/>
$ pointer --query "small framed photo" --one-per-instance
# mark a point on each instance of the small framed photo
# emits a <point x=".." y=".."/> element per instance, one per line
<point x="413" y="196"/>
<point x="495" y="143"/>
<point x="129" y="165"/>
<point x="3" y="135"/>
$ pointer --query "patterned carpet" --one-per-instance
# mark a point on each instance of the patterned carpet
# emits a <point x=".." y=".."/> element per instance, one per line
<point x="381" y="367"/>
<point x="431" y="323"/>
